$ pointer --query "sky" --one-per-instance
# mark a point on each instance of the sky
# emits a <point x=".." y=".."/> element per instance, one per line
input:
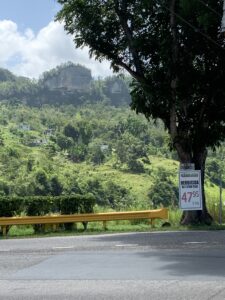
<point x="31" y="42"/>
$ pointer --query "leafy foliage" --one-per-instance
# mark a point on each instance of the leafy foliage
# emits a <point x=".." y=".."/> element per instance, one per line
<point x="38" y="206"/>
<point x="153" y="41"/>
<point x="175" y="53"/>
<point x="163" y="192"/>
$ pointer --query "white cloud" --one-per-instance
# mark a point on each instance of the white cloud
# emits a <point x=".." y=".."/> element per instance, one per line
<point x="27" y="54"/>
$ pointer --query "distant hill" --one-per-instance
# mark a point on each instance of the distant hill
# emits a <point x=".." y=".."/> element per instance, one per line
<point x="67" y="77"/>
<point x="6" y="75"/>
<point x="66" y="84"/>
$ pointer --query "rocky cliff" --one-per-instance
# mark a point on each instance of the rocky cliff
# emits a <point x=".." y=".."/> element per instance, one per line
<point x="68" y="77"/>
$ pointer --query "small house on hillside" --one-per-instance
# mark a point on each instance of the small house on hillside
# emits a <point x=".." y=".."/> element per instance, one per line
<point x="49" y="132"/>
<point x="24" y="127"/>
<point x="104" y="148"/>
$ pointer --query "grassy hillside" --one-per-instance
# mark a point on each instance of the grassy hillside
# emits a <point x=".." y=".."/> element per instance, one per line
<point x="113" y="153"/>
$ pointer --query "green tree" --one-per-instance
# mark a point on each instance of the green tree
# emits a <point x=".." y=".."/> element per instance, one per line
<point x="163" y="191"/>
<point x="118" y="197"/>
<point x="135" y="165"/>
<point x="129" y="149"/>
<point x="175" y="52"/>
<point x="96" y="155"/>
<point x="121" y="151"/>
<point x="77" y="153"/>
<point x="212" y="170"/>
<point x="95" y="187"/>
<point x="41" y="186"/>
<point x="56" y="187"/>
<point x="85" y="131"/>
<point x="63" y="141"/>
<point x="72" y="132"/>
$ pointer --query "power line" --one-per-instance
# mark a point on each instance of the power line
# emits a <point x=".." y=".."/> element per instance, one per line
<point x="195" y="28"/>
<point x="210" y="8"/>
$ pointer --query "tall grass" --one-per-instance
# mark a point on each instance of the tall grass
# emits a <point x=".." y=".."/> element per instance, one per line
<point x="175" y="217"/>
<point x="214" y="209"/>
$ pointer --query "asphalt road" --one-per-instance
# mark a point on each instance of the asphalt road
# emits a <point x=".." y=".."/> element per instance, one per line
<point x="167" y="265"/>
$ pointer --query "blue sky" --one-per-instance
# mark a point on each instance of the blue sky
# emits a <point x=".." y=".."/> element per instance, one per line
<point x="31" y="42"/>
<point x="34" y="14"/>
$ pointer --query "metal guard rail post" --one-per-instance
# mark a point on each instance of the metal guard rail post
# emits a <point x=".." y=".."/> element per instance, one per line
<point x="103" y="217"/>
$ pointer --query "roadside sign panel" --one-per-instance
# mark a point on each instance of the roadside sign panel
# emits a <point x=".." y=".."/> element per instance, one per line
<point x="190" y="190"/>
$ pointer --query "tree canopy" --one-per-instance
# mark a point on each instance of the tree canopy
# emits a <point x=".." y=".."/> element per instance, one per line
<point x="141" y="37"/>
<point x="175" y="52"/>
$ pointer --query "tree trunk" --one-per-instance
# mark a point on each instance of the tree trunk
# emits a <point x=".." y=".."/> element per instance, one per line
<point x="184" y="147"/>
<point x="194" y="217"/>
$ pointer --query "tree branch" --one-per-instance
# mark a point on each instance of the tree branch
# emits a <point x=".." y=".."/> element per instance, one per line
<point x="122" y="14"/>
<point x="118" y="61"/>
<point x="134" y="74"/>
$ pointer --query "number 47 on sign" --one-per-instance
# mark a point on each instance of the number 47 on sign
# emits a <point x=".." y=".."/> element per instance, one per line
<point x="187" y="196"/>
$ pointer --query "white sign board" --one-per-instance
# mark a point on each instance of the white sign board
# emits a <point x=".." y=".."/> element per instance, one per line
<point x="190" y="190"/>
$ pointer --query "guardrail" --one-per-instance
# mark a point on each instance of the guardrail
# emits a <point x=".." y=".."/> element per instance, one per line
<point x="6" y="222"/>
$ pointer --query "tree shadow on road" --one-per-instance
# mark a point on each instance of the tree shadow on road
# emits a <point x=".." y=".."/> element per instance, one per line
<point x="191" y="264"/>
<point x="179" y="254"/>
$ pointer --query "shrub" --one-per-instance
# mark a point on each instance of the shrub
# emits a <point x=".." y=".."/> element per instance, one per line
<point x="10" y="206"/>
<point x="164" y="192"/>
<point x="39" y="205"/>
<point x="118" y="197"/>
<point x="135" y="166"/>
<point x="42" y="205"/>
<point x="76" y="204"/>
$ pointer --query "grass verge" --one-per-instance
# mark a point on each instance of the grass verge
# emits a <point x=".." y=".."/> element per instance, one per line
<point x="112" y="227"/>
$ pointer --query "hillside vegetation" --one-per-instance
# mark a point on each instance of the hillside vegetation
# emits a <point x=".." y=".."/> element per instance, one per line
<point x="98" y="146"/>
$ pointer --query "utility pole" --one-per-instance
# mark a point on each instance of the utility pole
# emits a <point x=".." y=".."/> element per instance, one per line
<point x="221" y="186"/>
<point x="220" y="205"/>
<point x="223" y="19"/>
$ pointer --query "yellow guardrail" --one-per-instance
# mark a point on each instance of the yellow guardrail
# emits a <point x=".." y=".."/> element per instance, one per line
<point x="104" y="217"/>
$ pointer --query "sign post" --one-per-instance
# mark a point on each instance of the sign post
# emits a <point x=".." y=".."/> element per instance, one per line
<point x="190" y="190"/>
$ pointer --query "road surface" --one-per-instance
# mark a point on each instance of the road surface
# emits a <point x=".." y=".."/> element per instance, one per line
<point x="166" y="265"/>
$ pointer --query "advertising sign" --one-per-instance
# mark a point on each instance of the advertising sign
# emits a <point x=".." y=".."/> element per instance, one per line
<point x="190" y="195"/>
